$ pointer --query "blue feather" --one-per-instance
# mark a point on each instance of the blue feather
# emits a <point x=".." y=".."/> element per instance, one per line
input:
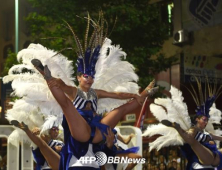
<point x="94" y="60"/>
<point x="204" y="109"/>
<point x="87" y="61"/>
<point x="80" y="65"/>
<point x="90" y="62"/>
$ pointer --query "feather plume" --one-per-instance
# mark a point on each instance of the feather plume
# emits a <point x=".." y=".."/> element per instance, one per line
<point x="158" y="112"/>
<point x="114" y="75"/>
<point x="180" y="107"/>
<point x="51" y="121"/>
<point x="215" y="115"/>
<point x="169" y="136"/>
<point x="174" y="110"/>
<point x="36" y="102"/>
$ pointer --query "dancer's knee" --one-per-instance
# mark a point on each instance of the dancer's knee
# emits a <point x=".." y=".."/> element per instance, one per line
<point x="212" y="160"/>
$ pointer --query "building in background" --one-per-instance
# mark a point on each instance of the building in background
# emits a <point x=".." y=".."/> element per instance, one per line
<point x="196" y="41"/>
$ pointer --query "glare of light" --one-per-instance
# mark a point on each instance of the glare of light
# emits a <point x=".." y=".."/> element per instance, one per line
<point x="16" y="25"/>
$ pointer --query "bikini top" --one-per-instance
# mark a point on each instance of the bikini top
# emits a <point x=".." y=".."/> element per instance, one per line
<point x="83" y="98"/>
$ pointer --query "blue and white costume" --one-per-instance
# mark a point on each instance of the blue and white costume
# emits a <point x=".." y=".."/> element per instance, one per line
<point x="41" y="163"/>
<point x="74" y="149"/>
<point x="192" y="159"/>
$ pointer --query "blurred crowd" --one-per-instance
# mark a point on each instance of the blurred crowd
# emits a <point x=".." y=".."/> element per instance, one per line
<point x="169" y="158"/>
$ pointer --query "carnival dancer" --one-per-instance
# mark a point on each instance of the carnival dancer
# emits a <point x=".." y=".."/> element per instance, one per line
<point x="83" y="128"/>
<point x="197" y="140"/>
<point x="52" y="140"/>
<point x="45" y="146"/>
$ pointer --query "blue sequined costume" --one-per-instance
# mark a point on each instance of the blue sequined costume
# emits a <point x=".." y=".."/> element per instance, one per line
<point x="73" y="149"/>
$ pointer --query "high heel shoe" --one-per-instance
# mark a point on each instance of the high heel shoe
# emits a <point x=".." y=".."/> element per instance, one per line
<point x="152" y="91"/>
<point x="151" y="85"/>
<point x="22" y="125"/>
<point x="38" y="65"/>
<point x="47" y="73"/>
<point x="43" y="70"/>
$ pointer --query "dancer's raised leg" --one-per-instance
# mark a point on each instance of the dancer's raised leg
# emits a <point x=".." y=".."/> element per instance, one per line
<point x="206" y="157"/>
<point x="79" y="128"/>
<point x="115" y="115"/>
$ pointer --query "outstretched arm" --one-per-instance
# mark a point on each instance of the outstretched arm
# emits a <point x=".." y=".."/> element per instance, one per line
<point x="215" y="137"/>
<point x="49" y="154"/>
<point x="118" y="95"/>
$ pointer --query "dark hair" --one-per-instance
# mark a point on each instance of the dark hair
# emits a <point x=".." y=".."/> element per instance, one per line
<point x="193" y="118"/>
<point x="79" y="73"/>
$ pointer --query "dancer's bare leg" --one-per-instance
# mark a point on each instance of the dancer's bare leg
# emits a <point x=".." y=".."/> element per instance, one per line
<point x="130" y="155"/>
<point x="79" y="128"/>
<point x="52" y="158"/>
<point x="115" y="115"/>
<point x="206" y="157"/>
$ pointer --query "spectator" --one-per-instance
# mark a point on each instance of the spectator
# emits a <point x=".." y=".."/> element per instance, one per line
<point x="162" y="159"/>
<point x="162" y="166"/>
<point x="175" y="156"/>
<point x="173" y="165"/>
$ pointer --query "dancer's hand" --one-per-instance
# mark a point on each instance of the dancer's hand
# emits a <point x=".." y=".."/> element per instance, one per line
<point x="109" y="138"/>
<point x="36" y="131"/>
<point x="58" y="148"/>
<point x="132" y="135"/>
<point x="54" y="82"/>
<point x="211" y="142"/>
<point x="125" y="140"/>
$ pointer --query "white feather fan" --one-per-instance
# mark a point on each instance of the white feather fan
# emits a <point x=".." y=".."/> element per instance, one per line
<point x="36" y="101"/>
<point x="113" y="74"/>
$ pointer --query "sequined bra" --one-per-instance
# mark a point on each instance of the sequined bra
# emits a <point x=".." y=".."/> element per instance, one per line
<point x="83" y="98"/>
